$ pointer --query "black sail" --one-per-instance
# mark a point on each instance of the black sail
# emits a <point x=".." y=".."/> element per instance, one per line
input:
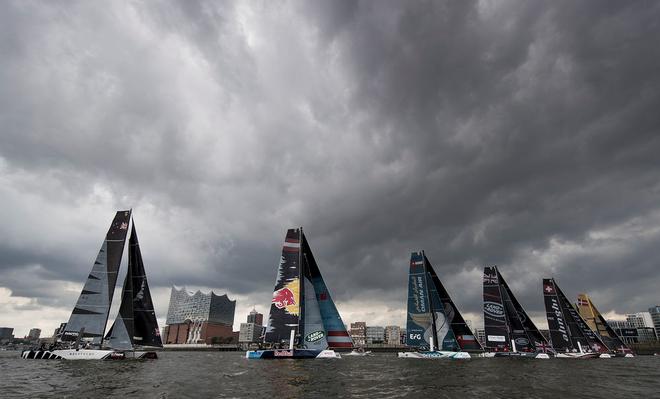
<point x="136" y="323"/>
<point x="505" y="320"/>
<point x="560" y="335"/>
<point x="516" y="328"/>
<point x="571" y="329"/>
<point x="285" y="309"/>
<point x="93" y="305"/>
<point x="495" y="323"/>
<point x="146" y="331"/>
<point x="462" y="332"/>
<point x="530" y="338"/>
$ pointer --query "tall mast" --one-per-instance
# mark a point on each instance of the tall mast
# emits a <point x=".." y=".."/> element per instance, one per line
<point x="301" y="283"/>
<point x="434" y="336"/>
<point x="506" y="316"/>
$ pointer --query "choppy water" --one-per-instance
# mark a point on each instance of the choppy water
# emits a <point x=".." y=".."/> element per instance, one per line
<point x="230" y="375"/>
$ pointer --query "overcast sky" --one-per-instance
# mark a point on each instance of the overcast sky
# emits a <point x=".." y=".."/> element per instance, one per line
<point x="516" y="133"/>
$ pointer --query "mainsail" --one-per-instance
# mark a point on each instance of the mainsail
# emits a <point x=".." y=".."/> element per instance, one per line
<point x="419" y="325"/>
<point x="462" y="332"/>
<point x="90" y="314"/>
<point x="285" y="305"/>
<point x="432" y="313"/>
<point x="597" y="323"/>
<point x="568" y="331"/>
<point x="301" y="301"/>
<point x="136" y="323"/>
<point x="505" y="320"/>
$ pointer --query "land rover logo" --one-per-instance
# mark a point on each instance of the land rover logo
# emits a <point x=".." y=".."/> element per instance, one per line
<point x="522" y="341"/>
<point x="493" y="309"/>
<point x="314" y="336"/>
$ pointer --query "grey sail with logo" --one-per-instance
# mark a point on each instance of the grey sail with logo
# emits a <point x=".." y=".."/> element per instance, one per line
<point x="90" y="314"/>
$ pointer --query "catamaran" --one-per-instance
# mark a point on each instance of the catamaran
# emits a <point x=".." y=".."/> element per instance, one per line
<point x="433" y="317"/>
<point x="509" y="330"/>
<point x="302" y="311"/>
<point x="135" y="327"/>
<point x="597" y="323"/>
<point x="570" y="335"/>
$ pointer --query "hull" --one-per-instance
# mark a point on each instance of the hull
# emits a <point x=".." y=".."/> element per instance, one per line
<point x="292" y="354"/>
<point x="434" y="355"/>
<point x="578" y="355"/>
<point x="355" y="353"/>
<point x="86" y="354"/>
<point x="72" y="354"/>
<point x="524" y="355"/>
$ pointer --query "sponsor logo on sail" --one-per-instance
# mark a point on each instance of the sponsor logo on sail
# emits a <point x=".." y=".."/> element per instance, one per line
<point x="490" y="278"/>
<point x="283" y="298"/>
<point x="494" y="309"/>
<point x="314" y="336"/>
<point x="521" y="341"/>
<point x="496" y="338"/>
<point x="561" y="326"/>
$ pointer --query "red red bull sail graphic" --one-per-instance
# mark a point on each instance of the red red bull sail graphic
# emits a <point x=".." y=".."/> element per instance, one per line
<point x="285" y="305"/>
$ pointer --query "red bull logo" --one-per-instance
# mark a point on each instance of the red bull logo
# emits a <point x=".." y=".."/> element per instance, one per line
<point x="283" y="297"/>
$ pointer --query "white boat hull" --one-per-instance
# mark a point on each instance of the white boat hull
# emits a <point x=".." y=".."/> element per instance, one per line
<point x="87" y="354"/>
<point x="72" y="354"/>
<point x="516" y="354"/>
<point x="354" y="353"/>
<point x="577" y="355"/>
<point x="292" y="354"/>
<point x="434" y="355"/>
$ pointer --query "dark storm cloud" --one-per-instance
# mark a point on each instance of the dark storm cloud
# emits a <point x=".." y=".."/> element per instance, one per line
<point x="506" y="133"/>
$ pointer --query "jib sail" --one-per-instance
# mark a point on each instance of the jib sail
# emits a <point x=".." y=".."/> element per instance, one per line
<point x="136" y="323"/>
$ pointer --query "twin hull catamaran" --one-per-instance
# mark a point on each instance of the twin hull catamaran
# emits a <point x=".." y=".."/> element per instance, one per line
<point x="433" y="317"/>
<point x="570" y="335"/>
<point x="302" y="312"/>
<point x="509" y="330"/>
<point x="135" y="327"/>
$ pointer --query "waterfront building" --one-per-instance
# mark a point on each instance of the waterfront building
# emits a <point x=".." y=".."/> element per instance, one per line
<point x="199" y="318"/>
<point x="6" y="334"/>
<point x="34" y="334"/>
<point x="643" y="322"/>
<point x="375" y="335"/>
<point x="198" y="306"/>
<point x="358" y="333"/>
<point x="393" y="335"/>
<point x="250" y="333"/>
<point x="256" y="318"/>
<point x="655" y="318"/>
<point x="625" y="330"/>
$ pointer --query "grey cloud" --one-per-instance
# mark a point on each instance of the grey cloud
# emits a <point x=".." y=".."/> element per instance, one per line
<point x="482" y="132"/>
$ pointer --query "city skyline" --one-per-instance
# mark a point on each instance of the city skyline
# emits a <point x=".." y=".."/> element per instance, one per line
<point x="485" y="133"/>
